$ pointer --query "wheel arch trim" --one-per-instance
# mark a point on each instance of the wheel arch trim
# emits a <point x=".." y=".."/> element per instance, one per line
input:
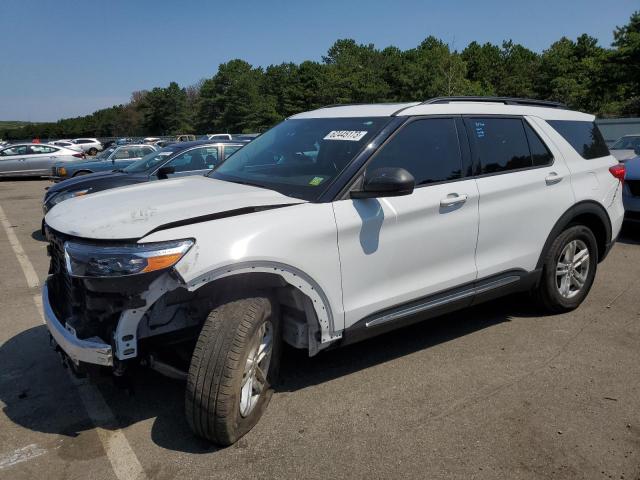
<point x="292" y="276"/>
<point x="588" y="207"/>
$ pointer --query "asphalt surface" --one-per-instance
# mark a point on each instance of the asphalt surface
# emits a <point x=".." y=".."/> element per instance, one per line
<point x="497" y="391"/>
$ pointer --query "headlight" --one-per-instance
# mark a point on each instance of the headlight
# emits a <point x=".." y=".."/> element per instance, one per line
<point x="85" y="260"/>
<point x="61" y="197"/>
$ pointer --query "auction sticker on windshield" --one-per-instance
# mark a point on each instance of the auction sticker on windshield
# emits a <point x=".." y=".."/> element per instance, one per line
<point x="350" y="135"/>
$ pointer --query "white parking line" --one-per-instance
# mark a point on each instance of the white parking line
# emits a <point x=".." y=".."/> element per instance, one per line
<point x="20" y="455"/>
<point x="25" y="264"/>
<point x="124" y="461"/>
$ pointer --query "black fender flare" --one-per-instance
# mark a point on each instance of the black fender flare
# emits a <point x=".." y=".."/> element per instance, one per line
<point x="585" y="207"/>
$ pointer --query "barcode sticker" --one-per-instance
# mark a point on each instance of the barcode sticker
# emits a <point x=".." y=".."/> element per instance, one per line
<point x="349" y="135"/>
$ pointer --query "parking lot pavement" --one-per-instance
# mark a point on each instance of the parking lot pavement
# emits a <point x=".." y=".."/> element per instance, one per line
<point x="496" y="391"/>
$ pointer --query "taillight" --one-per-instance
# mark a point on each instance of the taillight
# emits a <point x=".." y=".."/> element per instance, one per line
<point x="618" y="171"/>
<point x="78" y="155"/>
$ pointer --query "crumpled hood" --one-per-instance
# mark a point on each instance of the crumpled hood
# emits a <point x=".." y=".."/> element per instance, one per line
<point x="131" y="212"/>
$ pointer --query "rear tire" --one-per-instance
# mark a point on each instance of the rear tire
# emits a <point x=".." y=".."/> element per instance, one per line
<point x="222" y="403"/>
<point x="569" y="268"/>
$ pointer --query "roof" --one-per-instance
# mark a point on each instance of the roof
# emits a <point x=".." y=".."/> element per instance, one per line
<point x="360" y="110"/>
<point x="461" y="106"/>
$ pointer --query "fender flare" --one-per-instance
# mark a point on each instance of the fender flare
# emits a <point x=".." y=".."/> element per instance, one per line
<point x="291" y="275"/>
<point x="584" y="207"/>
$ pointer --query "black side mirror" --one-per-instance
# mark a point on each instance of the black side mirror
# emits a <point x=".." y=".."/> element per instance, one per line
<point x="386" y="182"/>
<point x="164" y="172"/>
<point x="637" y="150"/>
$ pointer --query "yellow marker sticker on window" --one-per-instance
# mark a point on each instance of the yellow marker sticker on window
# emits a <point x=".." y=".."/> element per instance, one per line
<point x="315" y="181"/>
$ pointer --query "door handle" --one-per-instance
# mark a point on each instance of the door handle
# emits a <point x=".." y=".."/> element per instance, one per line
<point x="453" y="199"/>
<point x="553" y="178"/>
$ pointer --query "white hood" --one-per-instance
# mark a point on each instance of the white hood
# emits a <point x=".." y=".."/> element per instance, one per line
<point x="133" y="211"/>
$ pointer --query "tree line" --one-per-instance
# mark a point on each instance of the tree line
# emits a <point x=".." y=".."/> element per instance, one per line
<point x="243" y="98"/>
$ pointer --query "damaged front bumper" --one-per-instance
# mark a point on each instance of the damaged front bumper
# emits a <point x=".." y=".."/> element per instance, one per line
<point x="91" y="350"/>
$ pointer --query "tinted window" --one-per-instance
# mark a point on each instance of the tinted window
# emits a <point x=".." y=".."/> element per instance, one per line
<point x="39" y="149"/>
<point x="20" y="150"/>
<point x="585" y="137"/>
<point x="539" y="152"/>
<point x="626" y="143"/>
<point x="128" y="152"/>
<point x="228" y="150"/>
<point x="501" y="144"/>
<point x="196" y="159"/>
<point x="428" y="149"/>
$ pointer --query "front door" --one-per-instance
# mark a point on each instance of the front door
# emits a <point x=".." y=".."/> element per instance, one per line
<point x="398" y="249"/>
<point x="13" y="161"/>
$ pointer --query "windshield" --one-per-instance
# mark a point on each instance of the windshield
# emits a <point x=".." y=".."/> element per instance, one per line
<point x="300" y="157"/>
<point x="104" y="154"/>
<point x="150" y="161"/>
<point x="627" y="143"/>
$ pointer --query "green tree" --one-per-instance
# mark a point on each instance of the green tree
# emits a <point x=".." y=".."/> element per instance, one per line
<point x="164" y="111"/>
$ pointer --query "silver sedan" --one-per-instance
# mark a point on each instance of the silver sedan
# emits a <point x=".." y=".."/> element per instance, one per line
<point x="33" y="159"/>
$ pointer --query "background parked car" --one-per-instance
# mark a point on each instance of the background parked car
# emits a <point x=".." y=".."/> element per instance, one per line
<point x="116" y="157"/>
<point x="89" y="145"/>
<point x="36" y="160"/>
<point x="626" y="147"/>
<point x="185" y="138"/>
<point x="179" y="159"/>
<point x="164" y="143"/>
<point x="631" y="190"/>
<point x="67" y="144"/>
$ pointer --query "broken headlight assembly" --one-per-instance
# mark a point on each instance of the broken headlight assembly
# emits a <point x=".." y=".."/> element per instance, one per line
<point x="87" y="260"/>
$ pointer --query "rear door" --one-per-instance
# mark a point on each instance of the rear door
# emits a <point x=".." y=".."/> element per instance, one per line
<point x="396" y="250"/>
<point x="41" y="159"/>
<point x="524" y="188"/>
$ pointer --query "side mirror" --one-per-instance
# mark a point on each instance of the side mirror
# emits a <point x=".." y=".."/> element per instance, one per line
<point x="637" y="150"/>
<point x="164" y="172"/>
<point x="386" y="182"/>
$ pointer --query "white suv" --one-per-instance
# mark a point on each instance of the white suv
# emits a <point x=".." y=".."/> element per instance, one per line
<point x="334" y="226"/>
<point x="89" y="145"/>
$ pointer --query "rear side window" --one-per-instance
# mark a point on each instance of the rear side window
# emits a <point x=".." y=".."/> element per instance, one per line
<point x="539" y="152"/>
<point x="428" y="149"/>
<point x="501" y="144"/>
<point x="584" y="137"/>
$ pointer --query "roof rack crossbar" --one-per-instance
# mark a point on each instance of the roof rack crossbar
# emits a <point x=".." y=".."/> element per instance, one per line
<point x="505" y="100"/>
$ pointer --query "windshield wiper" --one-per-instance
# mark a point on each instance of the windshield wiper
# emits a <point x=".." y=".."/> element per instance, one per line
<point x="118" y="170"/>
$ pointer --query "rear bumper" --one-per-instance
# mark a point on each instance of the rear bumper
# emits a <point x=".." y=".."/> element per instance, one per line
<point x="93" y="350"/>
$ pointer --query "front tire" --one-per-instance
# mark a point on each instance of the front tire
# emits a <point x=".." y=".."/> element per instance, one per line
<point x="569" y="269"/>
<point x="234" y="364"/>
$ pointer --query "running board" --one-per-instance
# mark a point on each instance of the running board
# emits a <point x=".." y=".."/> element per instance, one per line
<point x="439" y="302"/>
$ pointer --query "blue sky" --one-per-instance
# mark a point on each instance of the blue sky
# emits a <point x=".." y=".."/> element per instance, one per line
<point x="68" y="57"/>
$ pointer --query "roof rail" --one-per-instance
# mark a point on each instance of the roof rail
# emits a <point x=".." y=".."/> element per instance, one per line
<point x="506" y="100"/>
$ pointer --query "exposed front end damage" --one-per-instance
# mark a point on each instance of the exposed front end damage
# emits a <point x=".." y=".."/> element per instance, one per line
<point x="107" y="321"/>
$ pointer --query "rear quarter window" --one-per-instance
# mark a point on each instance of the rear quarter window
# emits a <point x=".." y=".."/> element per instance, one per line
<point x="584" y="137"/>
